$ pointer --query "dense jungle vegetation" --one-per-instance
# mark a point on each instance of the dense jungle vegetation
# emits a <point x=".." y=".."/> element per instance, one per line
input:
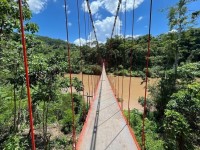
<point x="173" y="114"/>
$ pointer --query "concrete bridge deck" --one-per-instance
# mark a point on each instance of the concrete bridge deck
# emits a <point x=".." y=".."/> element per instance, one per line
<point x="105" y="127"/>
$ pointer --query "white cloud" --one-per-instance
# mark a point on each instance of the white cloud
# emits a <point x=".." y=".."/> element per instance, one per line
<point x="36" y="6"/>
<point x="134" y="36"/>
<point x="80" y="41"/>
<point x="173" y="31"/>
<point x="104" y="28"/>
<point x="140" y="18"/>
<point x="111" y="6"/>
<point x="129" y="4"/>
<point x="94" y="6"/>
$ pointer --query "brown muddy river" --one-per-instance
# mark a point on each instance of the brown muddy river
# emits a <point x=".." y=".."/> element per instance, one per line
<point x="137" y="89"/>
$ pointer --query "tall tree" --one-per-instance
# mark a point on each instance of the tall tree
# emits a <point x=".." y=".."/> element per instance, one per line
<point x="179" y="20"/>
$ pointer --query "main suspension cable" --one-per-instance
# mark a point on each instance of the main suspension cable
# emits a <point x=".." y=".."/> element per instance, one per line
<point x="112" y="33"/>
<point x="90" y="13"/>
<point x="146" y="79"/>
<point x="116" y="15"/>
<point x="27" y="76"/>
<point x="70" y="78"/>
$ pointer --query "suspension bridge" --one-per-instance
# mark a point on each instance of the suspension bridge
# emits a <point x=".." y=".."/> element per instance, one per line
<point x="105" y="127"/>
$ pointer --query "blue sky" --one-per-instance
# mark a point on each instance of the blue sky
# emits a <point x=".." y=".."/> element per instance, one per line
<point x="49" y="15"/>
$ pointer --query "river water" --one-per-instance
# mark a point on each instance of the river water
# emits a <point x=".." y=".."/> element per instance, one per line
<point x="137" y="88"/>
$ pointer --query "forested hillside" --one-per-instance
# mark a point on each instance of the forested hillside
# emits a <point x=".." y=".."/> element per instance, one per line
<point x="117" y="53"/>
<point x="173" y="107"/>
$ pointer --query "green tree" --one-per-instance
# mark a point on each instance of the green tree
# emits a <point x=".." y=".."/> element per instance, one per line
<point x="9" y="20"/>
<point x="177" y="132"/>
<point x="186" y="102"/>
